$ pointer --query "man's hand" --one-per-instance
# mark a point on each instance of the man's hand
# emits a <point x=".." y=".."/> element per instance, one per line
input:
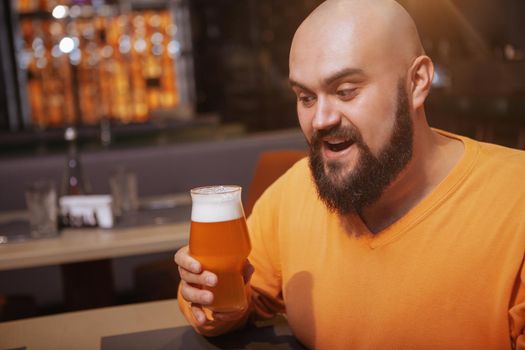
<point x="194" y="278"/>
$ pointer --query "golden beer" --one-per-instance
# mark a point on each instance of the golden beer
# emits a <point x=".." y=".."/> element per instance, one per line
<point x="219" y="241"/>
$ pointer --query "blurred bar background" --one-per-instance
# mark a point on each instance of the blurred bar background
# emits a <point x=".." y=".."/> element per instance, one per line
<point x="190" y="92"/>
<point x="146" y="68"/>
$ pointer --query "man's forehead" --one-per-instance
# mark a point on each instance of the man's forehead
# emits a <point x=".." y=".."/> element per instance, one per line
<point x="327" y="78"/>
<point x="338" y="42"/>
<point x="322" y="61"/>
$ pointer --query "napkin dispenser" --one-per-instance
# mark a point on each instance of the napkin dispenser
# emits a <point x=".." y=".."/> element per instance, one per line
<point x="86" y="211"/>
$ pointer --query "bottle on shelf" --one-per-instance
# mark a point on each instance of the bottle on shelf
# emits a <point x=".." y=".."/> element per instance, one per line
<point x="74" y="181"/>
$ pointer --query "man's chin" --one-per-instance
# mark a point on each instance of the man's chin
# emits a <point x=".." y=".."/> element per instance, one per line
<point x="337" y="170"/>
<point x="336" y="176"/>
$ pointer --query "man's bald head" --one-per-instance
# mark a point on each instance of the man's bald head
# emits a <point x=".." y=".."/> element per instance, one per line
<point x="379" y="30"/>
<point x="361" y="78"/>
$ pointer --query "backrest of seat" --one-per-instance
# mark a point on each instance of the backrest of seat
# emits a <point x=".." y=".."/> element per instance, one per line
<point x="270" y="166"/>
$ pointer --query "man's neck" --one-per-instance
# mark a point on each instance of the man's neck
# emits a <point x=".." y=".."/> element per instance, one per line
<point x="434" y="156"/>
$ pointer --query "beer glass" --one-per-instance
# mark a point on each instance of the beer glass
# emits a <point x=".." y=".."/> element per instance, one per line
<point x="219" y="241"/>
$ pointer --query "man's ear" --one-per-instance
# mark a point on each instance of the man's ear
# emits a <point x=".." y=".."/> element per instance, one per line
<point x="421" y="76"/>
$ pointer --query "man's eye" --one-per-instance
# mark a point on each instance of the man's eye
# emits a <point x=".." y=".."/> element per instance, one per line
<point x="306" y="100"/>
<point x="347" y="93"/>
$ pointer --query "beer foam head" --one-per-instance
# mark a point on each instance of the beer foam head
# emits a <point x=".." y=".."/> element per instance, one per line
<point x="216" y="204"/>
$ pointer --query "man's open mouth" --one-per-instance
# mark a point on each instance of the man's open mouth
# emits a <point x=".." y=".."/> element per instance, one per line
<point x="338" y="146"/>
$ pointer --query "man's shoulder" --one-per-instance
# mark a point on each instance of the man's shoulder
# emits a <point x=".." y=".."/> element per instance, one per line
<point x="490" y="165"/>
<point x="299" y="169"/>
<point x="490" y="154"/>
<point x="502" y="157"/>
<point x="501" y="169"/>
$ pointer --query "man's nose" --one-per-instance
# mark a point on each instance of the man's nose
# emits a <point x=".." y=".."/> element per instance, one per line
<point x="326" y="116"/>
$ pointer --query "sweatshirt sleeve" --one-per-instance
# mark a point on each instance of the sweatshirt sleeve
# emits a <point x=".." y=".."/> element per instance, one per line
<point x="517" y="313"/>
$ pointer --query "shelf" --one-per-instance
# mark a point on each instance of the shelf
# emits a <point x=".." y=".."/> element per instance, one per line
<point x="89" y="11"/>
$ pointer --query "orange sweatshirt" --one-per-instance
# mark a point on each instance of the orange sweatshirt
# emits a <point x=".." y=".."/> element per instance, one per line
<point x="448" y="275"/>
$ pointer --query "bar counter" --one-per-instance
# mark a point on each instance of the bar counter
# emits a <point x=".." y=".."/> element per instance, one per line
<point x="85" y="329"/>
<point x="152" y="325"/>
<point x="75" y="245"/>
<point x="142" y="232"/>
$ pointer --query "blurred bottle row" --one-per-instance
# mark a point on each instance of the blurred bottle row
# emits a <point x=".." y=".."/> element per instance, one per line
<point x="92" y="60"/>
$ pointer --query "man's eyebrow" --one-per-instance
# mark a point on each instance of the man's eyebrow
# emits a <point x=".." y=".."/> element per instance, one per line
<point x="293" y="84"/>
<point x="343" y="73"/>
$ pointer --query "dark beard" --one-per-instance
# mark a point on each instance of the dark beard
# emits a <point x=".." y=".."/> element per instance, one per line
<point x="372" y="175"/>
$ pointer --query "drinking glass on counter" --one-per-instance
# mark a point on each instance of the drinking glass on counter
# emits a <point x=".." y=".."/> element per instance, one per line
<point x="219" y="241"/>
<point x="124" y="190"/>
<point x="41" y="200"/>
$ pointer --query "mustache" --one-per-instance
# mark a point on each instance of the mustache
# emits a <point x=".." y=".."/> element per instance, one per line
<point x="344" y="132"/>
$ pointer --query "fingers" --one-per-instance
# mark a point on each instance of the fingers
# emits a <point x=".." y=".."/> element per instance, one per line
<point x="205" y="278"/>
<point x="201" y="317"/>
<point x="190" y="270"/>
<point x="198" y="314"/>
<point x="195" y="295"/>
<point x="202" y="299"/>
<point x="193" y="278"/>
<point x="185" y="261"/>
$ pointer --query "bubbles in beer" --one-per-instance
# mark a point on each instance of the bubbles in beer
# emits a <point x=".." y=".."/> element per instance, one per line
<point x="216" y="203"/>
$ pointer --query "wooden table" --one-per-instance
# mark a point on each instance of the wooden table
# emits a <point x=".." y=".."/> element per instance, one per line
<point x="84" y="329"/>
<point x="157" y="325"/>
<point x="84" y="254"/>
<point x="76" y="245"/>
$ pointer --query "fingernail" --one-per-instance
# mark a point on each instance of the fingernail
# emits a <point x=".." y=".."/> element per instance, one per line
<point x="200" y="318"/>
<point x="194" y="267"/>
<point x="211" y="280"/>
<point x="207" y="298"/>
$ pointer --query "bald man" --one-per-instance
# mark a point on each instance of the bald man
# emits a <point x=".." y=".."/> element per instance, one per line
<point x="390" y="234"/>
